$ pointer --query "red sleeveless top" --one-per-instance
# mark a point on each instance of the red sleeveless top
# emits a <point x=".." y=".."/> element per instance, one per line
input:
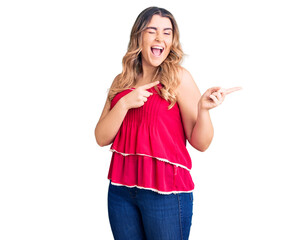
<point x="149" y="150"/>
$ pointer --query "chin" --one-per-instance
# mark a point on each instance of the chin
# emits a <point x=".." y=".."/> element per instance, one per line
<point x="157" y="62"/>
<point x="154" y="61"/>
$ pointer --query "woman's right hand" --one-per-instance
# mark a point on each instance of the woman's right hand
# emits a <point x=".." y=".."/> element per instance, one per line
<point x="138" y="96"/>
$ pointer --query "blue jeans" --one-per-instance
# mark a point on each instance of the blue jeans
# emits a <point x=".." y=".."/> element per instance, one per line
<point x="136" y="214"/>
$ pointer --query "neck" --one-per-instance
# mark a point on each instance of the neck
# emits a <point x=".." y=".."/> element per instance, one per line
<point x="147" y="74"/>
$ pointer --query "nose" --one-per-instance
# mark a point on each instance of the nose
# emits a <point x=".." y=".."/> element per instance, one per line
<point x="159" y="37"/>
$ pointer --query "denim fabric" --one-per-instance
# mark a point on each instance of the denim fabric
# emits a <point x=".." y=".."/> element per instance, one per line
<point x="136" y="214"/>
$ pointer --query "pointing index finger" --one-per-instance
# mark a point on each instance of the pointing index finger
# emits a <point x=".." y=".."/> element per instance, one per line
<point x="230" y="90"/>
<point x="150" y="85"/>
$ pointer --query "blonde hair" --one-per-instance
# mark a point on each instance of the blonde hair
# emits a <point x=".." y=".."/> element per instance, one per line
<point x="167" y="72"/>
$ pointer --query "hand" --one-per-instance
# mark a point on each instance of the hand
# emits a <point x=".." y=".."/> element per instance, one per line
<point x="138" y="96"/>
<point x="214" y="97"/>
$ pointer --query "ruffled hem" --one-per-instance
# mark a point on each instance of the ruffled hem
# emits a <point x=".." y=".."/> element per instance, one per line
<point x="158" y="158"/>
<point x="152" y="189"/>
<point x="148" y="173"/>
<point x="140" y="139"/>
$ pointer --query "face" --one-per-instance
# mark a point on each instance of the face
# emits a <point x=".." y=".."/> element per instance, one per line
<point x="156" y="41"/>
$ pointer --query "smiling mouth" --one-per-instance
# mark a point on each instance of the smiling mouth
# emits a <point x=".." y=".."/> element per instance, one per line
<point x="157" y="51"/>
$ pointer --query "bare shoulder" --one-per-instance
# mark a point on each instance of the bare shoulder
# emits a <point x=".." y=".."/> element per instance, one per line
<point x="107" y="104"/>
<point x="187" y="84"/>
<point x="188" y="96"/>
<point x="115" y="80"/>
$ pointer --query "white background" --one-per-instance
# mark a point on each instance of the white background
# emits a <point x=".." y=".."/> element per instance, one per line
<point x="57" y="60"/>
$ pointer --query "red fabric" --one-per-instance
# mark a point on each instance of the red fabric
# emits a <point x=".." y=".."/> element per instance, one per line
<point x="149" y="150"/>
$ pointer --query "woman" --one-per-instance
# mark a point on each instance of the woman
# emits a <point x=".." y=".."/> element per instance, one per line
<point x="153" y="106"/>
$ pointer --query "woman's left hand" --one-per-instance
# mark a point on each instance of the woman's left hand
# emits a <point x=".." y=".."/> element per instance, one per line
<point x="214" y="97"/>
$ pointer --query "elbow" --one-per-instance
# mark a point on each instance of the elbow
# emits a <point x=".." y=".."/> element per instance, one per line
<point x="98" y="138"/>
<point x="202" y="148"/>
<point x="101" y="141"/>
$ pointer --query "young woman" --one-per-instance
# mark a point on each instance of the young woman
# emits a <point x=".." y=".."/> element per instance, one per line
<point x="152" y="108"/>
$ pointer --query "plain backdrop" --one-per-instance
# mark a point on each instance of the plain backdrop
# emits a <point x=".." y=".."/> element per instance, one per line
<point x="57" y="61"/>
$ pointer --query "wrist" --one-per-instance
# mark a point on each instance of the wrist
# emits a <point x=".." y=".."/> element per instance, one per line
<point x="202" y="109"/>
<point x="123" y="103"/>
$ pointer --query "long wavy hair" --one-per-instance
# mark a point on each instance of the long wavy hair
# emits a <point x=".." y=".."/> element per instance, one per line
<point x="167" y="72"/>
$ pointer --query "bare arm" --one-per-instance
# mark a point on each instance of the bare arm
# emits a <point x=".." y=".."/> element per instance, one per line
<point x="202" y="132"/>
<point x="195" y="110"/>
<point x="197" y="123"/>
<point x="110" y="122"/>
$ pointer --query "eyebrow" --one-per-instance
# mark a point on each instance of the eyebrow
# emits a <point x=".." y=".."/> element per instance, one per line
<point x="154" y="28"/>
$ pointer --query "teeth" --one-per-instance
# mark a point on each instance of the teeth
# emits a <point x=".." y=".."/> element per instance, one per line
<point x="161" y="48"/>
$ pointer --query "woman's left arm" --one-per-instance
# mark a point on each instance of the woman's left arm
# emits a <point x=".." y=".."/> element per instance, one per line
<point x="188" y="97"/>
<point x="195" y="109"/>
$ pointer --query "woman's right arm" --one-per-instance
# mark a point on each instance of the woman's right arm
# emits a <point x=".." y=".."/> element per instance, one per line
<point x="111" y="120"/>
